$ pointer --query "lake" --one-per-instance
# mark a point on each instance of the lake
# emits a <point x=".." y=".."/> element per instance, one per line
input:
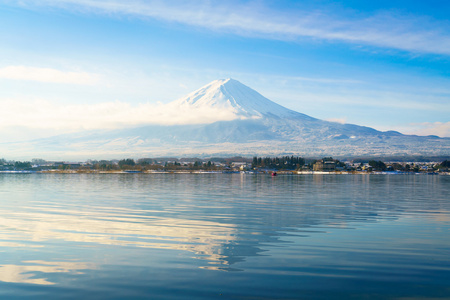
<point x="228" y="236"/>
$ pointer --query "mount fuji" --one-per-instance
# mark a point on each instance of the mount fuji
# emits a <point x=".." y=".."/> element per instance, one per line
<point x="246" y="124"/>
<point x="231" y="95"/>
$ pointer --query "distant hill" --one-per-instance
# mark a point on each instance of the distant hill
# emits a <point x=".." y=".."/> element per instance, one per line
<point x="259" y="127"/>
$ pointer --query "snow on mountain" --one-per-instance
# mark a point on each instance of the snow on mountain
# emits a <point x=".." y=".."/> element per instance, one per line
<point x="254" y="126"/>
<point x="231" y="95"/>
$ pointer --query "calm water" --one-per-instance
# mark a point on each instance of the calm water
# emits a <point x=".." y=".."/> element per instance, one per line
<point x="229" y="236"/>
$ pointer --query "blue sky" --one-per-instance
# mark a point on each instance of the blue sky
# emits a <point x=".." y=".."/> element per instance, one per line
<point x="68" y="65"/>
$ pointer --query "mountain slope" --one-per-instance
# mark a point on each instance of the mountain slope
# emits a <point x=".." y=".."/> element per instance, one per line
<point x="259" y="127"/>
<point x="230" y="94"/>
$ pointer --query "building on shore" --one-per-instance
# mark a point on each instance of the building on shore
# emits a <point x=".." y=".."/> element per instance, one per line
<point x="324" y="166"/>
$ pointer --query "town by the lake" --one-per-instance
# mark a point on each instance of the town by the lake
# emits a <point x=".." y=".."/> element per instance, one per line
<point x="282" y="165"/>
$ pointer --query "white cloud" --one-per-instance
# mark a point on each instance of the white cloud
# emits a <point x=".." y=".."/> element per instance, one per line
<point x="44" y="115"/>
<point x="408" y="33"/>
<point x="441" y="129"/>
<point x="47" y="75"/>
<point x="338" y="120"/>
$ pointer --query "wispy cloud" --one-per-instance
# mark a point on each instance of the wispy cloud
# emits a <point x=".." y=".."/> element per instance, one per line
<point x="48" y="75"/>
<point x="385" y="29"/>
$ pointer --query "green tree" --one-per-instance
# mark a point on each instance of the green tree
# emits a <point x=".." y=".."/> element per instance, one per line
<point x="255" y="162"/>
<point x="445" y="164"/>
<point x="398" y="167"/>
<point x="197" y="165"/>
<point x="377" y="165"/>
<point x="18" y="165"/>
<point x="126" y="163"/>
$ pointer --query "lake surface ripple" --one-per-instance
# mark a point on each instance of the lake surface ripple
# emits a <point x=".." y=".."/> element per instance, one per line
<point x="230" y="236"/>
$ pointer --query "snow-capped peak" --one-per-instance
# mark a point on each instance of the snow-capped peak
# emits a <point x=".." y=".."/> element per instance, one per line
<point x="233" y="96"/>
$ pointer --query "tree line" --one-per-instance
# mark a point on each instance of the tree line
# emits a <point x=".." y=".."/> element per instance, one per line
<point x="279" y="163"/>
<point x="272" y="163"/>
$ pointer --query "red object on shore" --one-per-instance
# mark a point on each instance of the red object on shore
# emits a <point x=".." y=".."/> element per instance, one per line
<point x="274" y="173"/>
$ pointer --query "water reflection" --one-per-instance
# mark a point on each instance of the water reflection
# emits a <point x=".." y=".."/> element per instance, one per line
<point x="34" y="271"/>
<point x="120" y="228"/>
<point x="221" y="219"/>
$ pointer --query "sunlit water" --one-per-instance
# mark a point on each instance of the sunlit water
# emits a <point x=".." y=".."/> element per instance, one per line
<point x="229" y="236"/>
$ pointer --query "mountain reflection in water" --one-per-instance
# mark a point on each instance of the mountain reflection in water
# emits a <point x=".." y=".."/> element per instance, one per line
<point x="57" y="225"/>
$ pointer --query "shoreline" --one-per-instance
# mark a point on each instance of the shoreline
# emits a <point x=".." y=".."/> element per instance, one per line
<point x="279" y="173"/>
